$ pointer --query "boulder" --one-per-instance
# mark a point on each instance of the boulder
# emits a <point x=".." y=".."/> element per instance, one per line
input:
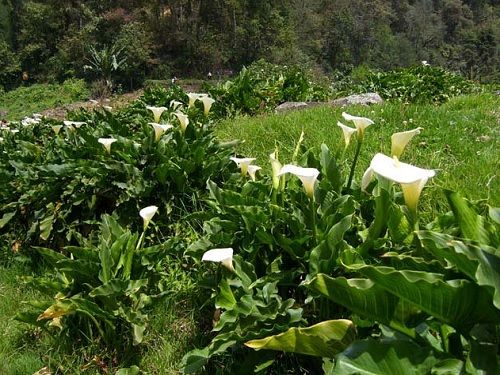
<point x="363" y="99"/>
<point x="290" y="106"/>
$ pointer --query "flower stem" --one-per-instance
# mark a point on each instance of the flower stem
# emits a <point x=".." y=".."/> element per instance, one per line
<point x="313" y="220"/>
<point x="354" y="162"/>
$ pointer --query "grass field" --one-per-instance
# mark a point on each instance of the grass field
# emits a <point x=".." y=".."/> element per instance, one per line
<point x="459" y="140"/>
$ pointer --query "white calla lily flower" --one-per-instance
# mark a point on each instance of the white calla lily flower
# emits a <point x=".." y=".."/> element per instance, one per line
<point x="175" y="104"/>
<point x="193" y="97"/>
<point x="223" y="255"/>
<point x="160" y="129"/>
<point x="207" y="103"/>
<point x="361" y="123"/>
<point x="56" y="128"/>
<point x="147" y="214"/>
<point x="252" y="170"/>
<point x="183" y="120"/>
<point x="308" y="176"/>
<point x="14" y="131"/>
<point x="412" y="179"/>
<point x="401" y="139"/>
<point x="76" y="124"/>
<point x="347" y="132"/>
<point x="276" y="167"/>
<point x="1" y="139"/>
<point x="157" y="112"/>
<point x="243" y="164"/>
<point x="107" y="142"/>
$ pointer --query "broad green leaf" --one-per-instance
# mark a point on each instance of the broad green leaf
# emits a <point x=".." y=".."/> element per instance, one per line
<point x="470" y="223"/>
<point x="330" y="168"/>
<point x="457" y="302"/>
<point x="398" y="224"/>
<point x="387" y="357"/>
<point x="323" y="257"/>
<point x="46" y="226"/>
<point x="6" y="218"/>
<point x="494" y="213"/>
<point x="448" y="367"/>
<point x="324" y="339"/>
<point x="479" y="263"/>
<point x="362" y="296"/>
<point x="225" y="298"/>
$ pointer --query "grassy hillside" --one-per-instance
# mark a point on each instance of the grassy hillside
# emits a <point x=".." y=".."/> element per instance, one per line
<point x="459" y="140"/>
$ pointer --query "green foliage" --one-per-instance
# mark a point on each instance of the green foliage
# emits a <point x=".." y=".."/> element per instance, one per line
<point x="24" y="101"/>
<point x="102" y="289"/>
<point x="61" y="184"/>
<point x="419" y="84"/>
<point x="262" y="87"/>
<point x="9" y="66"/>
<point x="105" y="63"/>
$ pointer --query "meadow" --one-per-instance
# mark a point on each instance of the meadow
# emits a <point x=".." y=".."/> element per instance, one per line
<point x="180" y="234"/>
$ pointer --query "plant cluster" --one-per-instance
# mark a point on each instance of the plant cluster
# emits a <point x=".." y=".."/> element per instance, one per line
<point x="418" y="84"/>
<point x="344" y="274"/>
<point x="262" y="87"/>
<point x="322" y="272"/>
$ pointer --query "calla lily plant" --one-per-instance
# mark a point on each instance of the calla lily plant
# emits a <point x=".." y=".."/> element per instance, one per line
<point x="308" y="176"/>
<point x="401" y="139"/>
<point x="147" y="214"/>
<point x="157" y="112"/>
<point x="243" y="164"/>
<point x="160" y="129"/>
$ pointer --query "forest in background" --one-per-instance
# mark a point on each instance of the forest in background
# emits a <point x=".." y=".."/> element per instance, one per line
<point x="135" y="40"/>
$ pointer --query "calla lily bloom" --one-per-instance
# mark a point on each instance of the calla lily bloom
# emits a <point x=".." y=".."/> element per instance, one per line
<point x="361" y="123"/>
<point x="243" y="164"/>
<point x="308" y="176"/>
<point x="160" y="129"/>
<point x="224" y="256"/>
<point x="147" y="214"/>
<point x="183" y="120"/>
<point x="1" y="139"/>
<point x="76" y="124"/>
<point x="347" y="131"/>
<point x="276" y="167"/>
<point x="192" y="98"/>
<point x="106" y="142"/>
<point x="157" y="111"/>
<point x="175" y="104"/>
<point x="57" y="128"/>
<point x="107" y="107"/>
<point x="412" y="179"/>
<point x="14" y="131"/>
<point x="252" y="170"/>
<point x="207" y="103"/>
<point x="401" y="139"/>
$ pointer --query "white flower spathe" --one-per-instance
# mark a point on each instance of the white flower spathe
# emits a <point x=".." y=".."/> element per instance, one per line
<point x="147" y="214"/>
<point x="223" y="255"/>
<point x="347" y="132"/>
<point x="412" y="179"/>
<point x="401" y="139"/>
<point x="276" y="167"/>
<point x="157" y="111"/>
<point x="361" y="123"/>
<point x="56" y="128"/>
<point x="76" y="124"/>
<point x="183" y="120"/>
<point x="107" y="142"/>
<point x="243" y="163"/>
<point x="207" y="103"/>
<point x="160" y="129"/>
<point x="252" y="170"/>
<point x="308" y="176"/>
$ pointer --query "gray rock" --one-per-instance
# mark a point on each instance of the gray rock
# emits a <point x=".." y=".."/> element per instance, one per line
<point x="363" y="99"/>
<point x="289" y="106"/>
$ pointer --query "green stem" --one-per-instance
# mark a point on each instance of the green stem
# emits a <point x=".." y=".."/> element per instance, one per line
<point x="313" y="220"/>
<point x="354" y="162"/>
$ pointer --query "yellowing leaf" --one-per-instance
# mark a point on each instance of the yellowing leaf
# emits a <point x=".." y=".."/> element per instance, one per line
<point x="324" y="339"/>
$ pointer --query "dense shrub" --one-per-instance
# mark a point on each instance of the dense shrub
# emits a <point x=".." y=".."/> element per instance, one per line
<point x="419" y="84"/>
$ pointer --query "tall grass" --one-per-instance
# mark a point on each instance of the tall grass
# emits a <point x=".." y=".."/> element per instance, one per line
<point x="459" y="140"/>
